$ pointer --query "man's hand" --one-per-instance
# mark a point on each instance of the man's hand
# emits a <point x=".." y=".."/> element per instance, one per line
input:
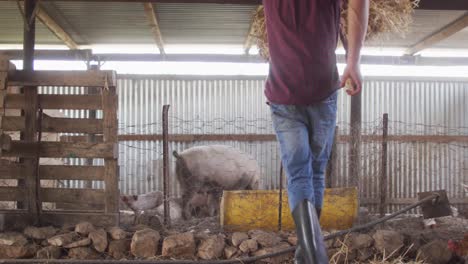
<point x="352" y="73"/>
<point x="358" y="16"/>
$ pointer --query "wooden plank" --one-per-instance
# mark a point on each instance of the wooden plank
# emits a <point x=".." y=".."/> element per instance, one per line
<point x="265" y="137"/>
<point x="78" y="102"/>
<point x="12" y="194"/>
<point x="153" y="23"/>
<point x="85" y="173"/>
<point x="5" y="142"/>
<point x="12" y="171"/>
<point x="63" y="78"/>
<point x="63" y="150"/>
<point x="111" y="178"/>
<point x="18" y="220"/>
<point x="56" y="29"/>
<point x="440" y="35"/>
<point x="3" y="80"/>
<point x="57" y="125"/>
<point x="93" y="196"/>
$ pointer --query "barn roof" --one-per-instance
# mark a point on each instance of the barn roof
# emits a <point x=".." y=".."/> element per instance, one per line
<point x="191" y="22"/>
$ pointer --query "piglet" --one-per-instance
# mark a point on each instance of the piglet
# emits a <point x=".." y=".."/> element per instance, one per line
<point x="142" y="202"/>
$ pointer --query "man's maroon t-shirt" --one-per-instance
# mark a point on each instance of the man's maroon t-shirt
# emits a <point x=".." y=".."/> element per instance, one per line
<point x="302" y="37"/>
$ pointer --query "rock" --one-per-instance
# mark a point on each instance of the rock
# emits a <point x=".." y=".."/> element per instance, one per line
<point x="62" y="240"/>
<point x="179" y="245"/>
<point x="238" y="237"/>
<point x="275" y="260"/>
<point x="211" y="248"/>
<point x="388" y="242"/>
<point x="84" y="228"/>
<point x="138" y="227"/>
<point x="292" y="240"/>
<point x="145" y="243"/>
<point x="17" y="251"/>
<point x="80" y="243"/>
<point x="229" y="252"/>
<point x="265" y="239"/>
<point x="118" y="249"/>
<point x="436" y="252"/>
<point x="151" y="220"/>
<point x="39" y="233"/>
<point x="249" y="245"/>
<point x="49" y="252"/>
<point x="359" y="241"/>
<point x="12" y="239"/>
<point x="99" y="239"/>
<point x="83" y="253"/>
<point x="117" y="233"/>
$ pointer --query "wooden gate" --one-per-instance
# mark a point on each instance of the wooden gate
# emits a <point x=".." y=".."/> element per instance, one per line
<point x="28" y="194"/>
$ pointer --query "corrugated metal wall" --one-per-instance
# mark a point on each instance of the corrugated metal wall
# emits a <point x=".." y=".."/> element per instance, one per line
<point x="236" y="105"/>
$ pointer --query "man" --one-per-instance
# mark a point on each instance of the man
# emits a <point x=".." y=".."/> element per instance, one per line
<point x="302" y="92"/>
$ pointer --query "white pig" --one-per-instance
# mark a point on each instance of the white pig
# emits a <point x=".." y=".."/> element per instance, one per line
<point x="142" y="202"/>
<point x="217" y="166"/>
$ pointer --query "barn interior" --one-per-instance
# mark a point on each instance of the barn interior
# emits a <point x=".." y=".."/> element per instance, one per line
<point x="95" y="95"/>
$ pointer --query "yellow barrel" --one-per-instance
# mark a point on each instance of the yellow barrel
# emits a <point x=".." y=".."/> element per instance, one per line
<point x="259" y="209"/>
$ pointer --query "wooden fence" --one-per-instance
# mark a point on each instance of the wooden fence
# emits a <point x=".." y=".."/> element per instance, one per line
<point x="29" y="194"/>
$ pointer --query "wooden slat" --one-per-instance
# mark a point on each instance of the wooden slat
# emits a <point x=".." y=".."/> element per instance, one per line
<point x="78" y="102"/>
<point x="85" y="173"/>
<point x="55" y="28"/>
<point x="5" y="142"/>
<point x="63" y="78"/>
<point x="72" y="195"/>
<point x="12" y="194"/>
<point x="63" y="150"/>
<point x="12" y="171"/>
<point x="3" y="80"/>
<point x="56" y="125"/>
<point x="266" y="137"/>
<point x="19" y="219"/>
<point x="111" y="178"/>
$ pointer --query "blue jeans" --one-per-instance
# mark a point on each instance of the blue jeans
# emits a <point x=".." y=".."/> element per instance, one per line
<point x="305" y="135"/>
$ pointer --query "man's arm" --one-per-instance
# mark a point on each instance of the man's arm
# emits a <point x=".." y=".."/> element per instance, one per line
<point x="358" y="17"/>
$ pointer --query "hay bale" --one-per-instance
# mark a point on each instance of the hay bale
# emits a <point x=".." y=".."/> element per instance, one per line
<point x="389" y="16"/>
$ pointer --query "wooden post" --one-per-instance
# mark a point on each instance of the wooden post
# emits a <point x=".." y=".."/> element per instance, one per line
<point x="331" y="166"/>
<point x="111" y="177"/>
<point x="383" y="172"/>
<point x="91" y="138"/>
<point x="32" y="183"/>
<point x="355" y="147"/>
<point x="166" y="188"/>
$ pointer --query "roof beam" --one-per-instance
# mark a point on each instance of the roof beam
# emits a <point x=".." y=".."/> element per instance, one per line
<point x="55" y="28"/>
<point x="440" y="35"/>
<point x="365" y="59"/>
<point x="153" y="23"/>
<point x="250" y="38"/>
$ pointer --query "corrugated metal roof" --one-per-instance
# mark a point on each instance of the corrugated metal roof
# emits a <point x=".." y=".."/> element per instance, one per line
<point x="204" y="23"/>
<point x="11" y="26"/>
<point x="125" y="23"/>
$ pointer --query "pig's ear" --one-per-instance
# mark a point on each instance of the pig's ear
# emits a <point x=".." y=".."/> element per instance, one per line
<point x="124" y="198"/>
<point x="135" y="197"/>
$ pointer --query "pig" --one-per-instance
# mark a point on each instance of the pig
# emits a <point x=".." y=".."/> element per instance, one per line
<point x="142" y="202"/>
<point x="204" y="172"/>
<point x="175" y="209"/>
